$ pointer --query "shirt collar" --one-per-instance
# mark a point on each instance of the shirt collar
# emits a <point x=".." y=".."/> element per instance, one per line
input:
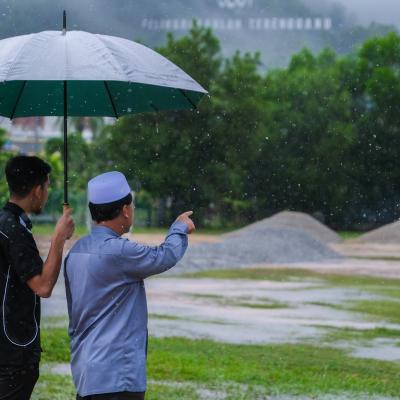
<point x="19" y="212"/>
<point x="98" y="229"/>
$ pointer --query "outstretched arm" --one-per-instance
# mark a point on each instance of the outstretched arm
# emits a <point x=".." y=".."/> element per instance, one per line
<point x="141" y="261"/>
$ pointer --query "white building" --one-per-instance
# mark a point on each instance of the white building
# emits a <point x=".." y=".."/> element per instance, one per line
<point x="29" y="135"/>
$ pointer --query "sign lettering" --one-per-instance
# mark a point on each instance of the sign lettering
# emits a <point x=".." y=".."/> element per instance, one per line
<point x="231" y="4"/>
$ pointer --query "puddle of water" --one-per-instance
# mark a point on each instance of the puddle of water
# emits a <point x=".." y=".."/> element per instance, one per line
<point x="207" y="308"/>
<point x="56" y="368"/>
<point x="193" y="302"/>
<point x="380" y="348"/>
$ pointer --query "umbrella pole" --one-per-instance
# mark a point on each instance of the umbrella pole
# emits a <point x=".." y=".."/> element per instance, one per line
<point x="65" y="125"/>
<point x="65" y="146"/>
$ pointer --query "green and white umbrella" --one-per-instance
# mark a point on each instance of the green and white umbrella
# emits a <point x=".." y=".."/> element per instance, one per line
<point x="76" y="73"/>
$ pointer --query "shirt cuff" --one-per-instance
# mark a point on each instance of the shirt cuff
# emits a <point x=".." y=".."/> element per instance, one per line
<point x="178" y="227"/>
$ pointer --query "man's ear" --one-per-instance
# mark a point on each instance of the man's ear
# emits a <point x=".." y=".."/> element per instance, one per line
<point x="37" y="191"/>
<point x="125" y="211"/>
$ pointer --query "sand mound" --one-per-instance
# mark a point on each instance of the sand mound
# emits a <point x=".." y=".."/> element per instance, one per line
<point x="252" y="245"/>
<point x="387" y="234"/>
<point x="294" y="220"/>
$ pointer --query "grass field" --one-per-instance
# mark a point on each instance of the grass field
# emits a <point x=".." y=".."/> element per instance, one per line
<point x="181" y="367"/>
<point x="189" y="369"/>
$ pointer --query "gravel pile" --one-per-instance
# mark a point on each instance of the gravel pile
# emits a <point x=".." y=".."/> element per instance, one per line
<point x="296" y="220"/>
<point x="256" y="244"/>
<point x="387" y="234"/>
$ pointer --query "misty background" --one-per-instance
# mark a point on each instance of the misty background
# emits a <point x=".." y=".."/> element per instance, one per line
<point x="353" y="21"/>
<point x="368" y="11"/>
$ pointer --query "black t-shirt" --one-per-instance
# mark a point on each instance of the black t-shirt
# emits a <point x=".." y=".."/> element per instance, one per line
<point x="20" y="306"/>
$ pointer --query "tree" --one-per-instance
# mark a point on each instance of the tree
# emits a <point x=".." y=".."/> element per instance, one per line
<point x="372" y="77"/>
<point x="302" y="159"/>
<point x="238" y="108"/>
<point x="171" y="153"/>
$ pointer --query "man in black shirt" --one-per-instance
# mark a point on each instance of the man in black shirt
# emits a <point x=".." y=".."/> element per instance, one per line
<point x="24" y="277"/>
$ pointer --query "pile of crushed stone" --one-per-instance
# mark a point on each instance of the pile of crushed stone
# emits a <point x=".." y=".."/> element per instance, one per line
<point x="256" y="244"/>
<point x="387" y="234"/>
<point x="295" y="220"/>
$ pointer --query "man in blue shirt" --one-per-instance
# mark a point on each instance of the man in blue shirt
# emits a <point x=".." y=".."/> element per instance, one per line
<point x="106" y="296"/>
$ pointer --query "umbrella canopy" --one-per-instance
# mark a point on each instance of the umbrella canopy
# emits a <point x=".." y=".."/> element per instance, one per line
<point x="106" y="76"/>
<point x="76" y="73"/>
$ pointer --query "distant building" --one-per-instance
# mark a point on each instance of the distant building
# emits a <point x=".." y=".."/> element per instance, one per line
<point x="29" y="135"/>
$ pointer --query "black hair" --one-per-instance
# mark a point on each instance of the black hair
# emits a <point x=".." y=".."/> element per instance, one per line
<point x="108" y="211"/>
<point x="23" y="173"/>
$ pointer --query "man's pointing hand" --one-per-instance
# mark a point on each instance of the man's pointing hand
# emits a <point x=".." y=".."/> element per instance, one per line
<point x="185" y="218"/>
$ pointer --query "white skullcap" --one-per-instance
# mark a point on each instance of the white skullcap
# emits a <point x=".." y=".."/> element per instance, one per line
<point x="108" y="187"/>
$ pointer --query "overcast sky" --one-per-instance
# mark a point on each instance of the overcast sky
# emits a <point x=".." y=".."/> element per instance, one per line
<point x="384" y="11"/>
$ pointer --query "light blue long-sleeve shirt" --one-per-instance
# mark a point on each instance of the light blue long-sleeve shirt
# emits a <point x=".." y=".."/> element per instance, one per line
<point x="107" y="307"/>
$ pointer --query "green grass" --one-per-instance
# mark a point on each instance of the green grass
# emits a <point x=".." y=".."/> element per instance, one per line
<point x="392" y="291"/>
<point x="260" y="303"/>
<point x="378" y="310"/>
<point x="346" y="235"/>
<point x="349" y="334"/>
<point x="54" y="387"/>
<point x="299" y="369"/>
<point x="265" y="306"/>
<point x="48" y="229"/>
<point x="374" y="310"/>
<point x="202" y="231"/>
<point x="329" y="305"/>
<point x="270" y="274"/>
<point x="287" y="368"/>
<point x="81" y="230"/>
<point x="377" y="285"/>
<point x="55" y="344"/>
<point x="176" y="318"/>
<point x="164" y="316"/>
<point x="206" y="296"/>
<point x="381" y="258"/>
<point x="294" y="369"/>
<point x="241" y="301"/>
